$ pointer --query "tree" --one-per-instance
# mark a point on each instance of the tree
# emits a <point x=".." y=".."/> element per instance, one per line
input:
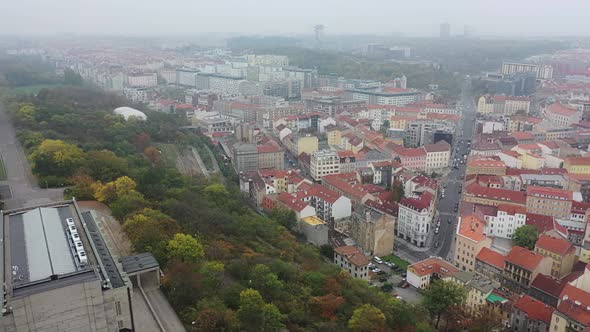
<point x="327" y="305"/>
<point x="216" y="193"/>
<point x="105" y="165"/>
<point x="385" y="126"/>
<point x="526" y="236"/>
<point x="110" y="191"/>
<point x="327" y="251"/>
<point x="256" y="315"/>
<point x="127" y="204"/>
<point x="285" y="217"/>
<point x="185" y="248"/>
<point x="82" y="187"/>
<point x="442" y="295"/>
<point x="153" y="154"/>
<point x="213" y="275"/>
<point x="72" y="78"/>
<point x="25" y="115"/>
<point x="148" y="228"/>
<point x="367" y="318"/>
<point x="57" y="158"/>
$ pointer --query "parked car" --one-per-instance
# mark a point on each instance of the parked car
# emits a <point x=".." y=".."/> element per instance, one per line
<point x="405" y="285"/>
<point x="376" y="270"/>
<point x="378" y="260"/>
<point x="436" y="244"/>
<point x="449" y="221"/>
<point x="436" y="230"/>
<point x="383" y="279"/>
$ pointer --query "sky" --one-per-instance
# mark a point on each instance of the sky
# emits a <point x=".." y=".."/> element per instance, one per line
<point x="290" y="17"/>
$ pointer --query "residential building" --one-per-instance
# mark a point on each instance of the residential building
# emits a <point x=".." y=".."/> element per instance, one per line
<point x="562" y="116"/>
<point x="373" y="231"/>
<point x="421" y="274"/>
<point x="348" y="185"/>
<point x="560" y="251"/>
<point x="507" y="219"/>
<point x="438" y="156"/>
<point x="324" y="162"/>
<point x="478" y="290"/>
<point x="142" y="80"/>
<point x="384" y="98"/>
<point x="531" y="315"/>
<point x="245" y="157"/>
<point x="350" y="259"/>
<point x="577" y="165"/>
<point x="334" y="135"/>
<point x="315" y="230"/>
<point x="542" y="71"/>
<point x="475" y="193"/>
<point x="547" y="289"/>
<point x="414" y="217"/>
<point x="481" y="165"/>
<point x="469" y="241"/>
<point x="59" y="273"/>
<point x="490" y="264"/>
<point x="298" y="144"/>
<point x="187" y="77"/>
<point x="271" y="156"/>
<point x="521" y="267"/>
<point x="549" y="201"/>
<point x="302" y="209"/>
<point x="572" y="313"/>
<point x="329" y="205"/>
<point x="502" y="105"/>
<point x="347" y="160"/>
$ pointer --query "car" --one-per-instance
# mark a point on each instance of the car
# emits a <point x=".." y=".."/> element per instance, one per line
<point x="381" y="272"/>
<point x="404" y="275"/>
<point x="399" y="297"/>
<point x="376" y="270"/>
<point x="405" y="285"/>
<point x="371" y="265"/>
<point x="389" y="264"/>
<point x="456" y="209"/>
<point x="382" y="279"/>
<point x="436" y="244"/>
<point x="378" y="259"/>
<point x="387" y="288"/>
<point x="436" y="230"/>
<point x="449" y="221"/>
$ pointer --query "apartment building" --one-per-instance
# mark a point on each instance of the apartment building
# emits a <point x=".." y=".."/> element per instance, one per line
<point x="507" y="219"/>
<point x="334" y="135"/>
<point x="438" y="156"/>
<point x="421" y="274"/>
<point x="490" y="264"/>
<point x="572" y="312"/>
<point x="521" y="267"/>
<point x="143" y="80"/>
<point x="271" y="156"/>
<point x="560" y="251"/>
<point x="414" y="217"/>
<point x="329" y="205"/>
<point x="475" y="193"/>
<point x="577" y="165"/>
<point x="373" y="231"/>
<point x="531" y="315"/>
<point x="315" y="230"/>
<point x="324" y="162"/>
<point x="384" y="98"/>
<point x="469" y="241"/>
<point x="540" y="70"/>
<point x="298" y="144"/>
<point x="549" y="201"/>
<point x="351" y="259"/>
<point x="562" y="116"/>
<point x="502" y="105"/>
<point x="480" y="165"/>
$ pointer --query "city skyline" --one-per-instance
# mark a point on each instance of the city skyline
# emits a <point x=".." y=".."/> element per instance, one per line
<point x="179" y="17"/>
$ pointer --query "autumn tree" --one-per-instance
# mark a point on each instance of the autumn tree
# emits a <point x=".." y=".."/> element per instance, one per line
<point x="327" y="305"/>
<point x="216" y="193"/>
<point x="526" y="236"/>
<point x="105" y="166"/>
<point x="367" y="318"/>
<point x="441" y="296"/>
<point x="25" y="115"/>
<point x="285" y="217"/>
<point x="256" y="315"/>
<point x="57" y="158"/>
<point x="148" y="229"/>
<point x="185" y="248"/>
<point x="110" y="191"/>
<point x="153" y="154"/>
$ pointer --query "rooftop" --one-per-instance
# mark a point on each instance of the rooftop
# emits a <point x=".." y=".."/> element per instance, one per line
<point x="524" y="258"/>
<point x="433" y="265"/>
<point x="548" y="285"/>
<point x="353" y="254"/>
<point x="491" y="257"/>
<point x="472" y="228"/>
<point x="313" y="221"/>
<point x="555" y="245"/>
<point x="547" y="192"/>
<point x="534" y="309"/>
<point x="578" y="161"/>
<point x="139" y="262"/>
<point x="560" y="109"/>
<point x="509" y="196"/>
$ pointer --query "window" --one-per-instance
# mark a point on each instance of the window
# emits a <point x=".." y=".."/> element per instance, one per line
<point x="118" y="308"/>
<point x="120" y="324"/>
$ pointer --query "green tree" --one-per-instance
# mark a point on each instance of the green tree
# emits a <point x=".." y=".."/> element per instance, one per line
<point x="327" y="251"/>
<point x="216" y="193"/>
<point x="264" y="280"/>
<point x="105" y="165"/>
<point x="441" y="296"/>
<point x="367" y="318"/>
<point x="57" y="158"/>
<point x="72" y="78"/>
<point x="213" y="275"/>
<point x="185" y="248"/>
<point x="526" y="236"/>
<point x="127" y="204"/>
<point x="25" y="115"/>
<point x="148" y="228"/>
<point x="256" y="315"/>
<point x="385" y="126"/>
<point x="285" y="217"/>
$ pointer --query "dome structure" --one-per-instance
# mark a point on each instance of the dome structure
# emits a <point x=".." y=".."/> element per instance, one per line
<point x="128" y="112"/>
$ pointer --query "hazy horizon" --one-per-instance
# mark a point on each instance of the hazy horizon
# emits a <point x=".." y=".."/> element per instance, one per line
<point x="421" y="18"/>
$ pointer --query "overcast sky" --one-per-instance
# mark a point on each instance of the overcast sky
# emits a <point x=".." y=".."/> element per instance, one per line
<point x="187" y="17"/>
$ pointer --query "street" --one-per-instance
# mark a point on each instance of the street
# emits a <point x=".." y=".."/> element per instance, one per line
<point x="20" y="184"/>
<point x="453" y="182"/>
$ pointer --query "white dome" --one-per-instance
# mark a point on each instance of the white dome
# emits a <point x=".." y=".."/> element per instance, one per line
<point x="128" y="112"/>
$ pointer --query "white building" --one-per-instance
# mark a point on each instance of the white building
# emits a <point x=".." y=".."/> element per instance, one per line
<point x="324" y="162"/>
<point x="507" y="219"/>
<point x="186" y="77"/>
<point x="142" y="80"/>
<point x="414" y="217"/>
<point x="136" y="95"/>
<point x="353" y="261"/>
<point x="438" y="156"/>
<point x="542" y="71"/>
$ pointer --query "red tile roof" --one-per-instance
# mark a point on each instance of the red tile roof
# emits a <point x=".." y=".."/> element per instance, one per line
<point x="425" y="181"/>
<point x="472" y="228"/>
<point x="345" y="154"/>
<point x="555" y="245"/>
<point x="354" y="255"/>
<point x="541" y="222"/>
<point x="547" y="192"/>
<point x="268" y="148"/>
<point x="421" y="202"/>
<point x="523" y="135"/>
<point x="440" y="146"/>
<point x="292" y="202"/>
<point x="497" y="194"/>
<point x="491" y="257"/>
<point x="548" y="285"/>
<point x="560" y="109"/>
<point x="574" y="303"/>
<point x="524" y="258"/>
<point x="512" y="209"/>
<point x="580" y="161"/>
<point x="534" y="309"/>
<point x="433" y="265"/>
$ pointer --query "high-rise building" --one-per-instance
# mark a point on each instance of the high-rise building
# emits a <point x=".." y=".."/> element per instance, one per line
<point x="445" y="30"/>
<point x="319" y="33"/>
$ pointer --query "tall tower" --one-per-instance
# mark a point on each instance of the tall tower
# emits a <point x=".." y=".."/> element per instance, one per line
<point x="319" y="33"/>
<point x="445" y="30"/>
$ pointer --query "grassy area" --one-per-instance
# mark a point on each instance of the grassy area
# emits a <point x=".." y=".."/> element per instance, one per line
<point x="2" y="170"/>
<point x="397" y="261"/>
<point x="169" y="153"/>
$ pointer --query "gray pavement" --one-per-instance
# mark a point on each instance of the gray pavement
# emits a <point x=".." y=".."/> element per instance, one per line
<point x="23" y="185"/>
<point x="453" y="181"/>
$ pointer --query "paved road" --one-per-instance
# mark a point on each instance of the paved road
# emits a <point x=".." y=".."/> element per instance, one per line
<point x="453" y="182"/>
<point x="23" y="185"/>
